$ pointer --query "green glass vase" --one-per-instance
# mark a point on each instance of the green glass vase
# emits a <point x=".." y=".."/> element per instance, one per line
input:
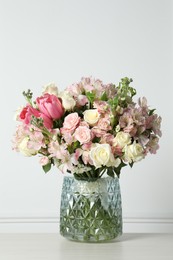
<point x="91" y="211"/>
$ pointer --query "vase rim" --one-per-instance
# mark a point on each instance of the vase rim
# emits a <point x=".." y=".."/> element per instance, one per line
<point x="103" y="177"/>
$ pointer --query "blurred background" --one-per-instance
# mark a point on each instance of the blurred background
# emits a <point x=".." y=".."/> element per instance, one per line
<point x="60" y="41"/>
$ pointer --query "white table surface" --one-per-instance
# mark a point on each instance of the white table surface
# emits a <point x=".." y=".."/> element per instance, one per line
<point x="55" y="247"/>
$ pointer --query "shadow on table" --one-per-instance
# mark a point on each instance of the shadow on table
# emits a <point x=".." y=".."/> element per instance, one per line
<point x="134" y="236"/>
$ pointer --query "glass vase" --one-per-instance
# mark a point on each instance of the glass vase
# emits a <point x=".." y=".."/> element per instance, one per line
<point x="91" y="211"/>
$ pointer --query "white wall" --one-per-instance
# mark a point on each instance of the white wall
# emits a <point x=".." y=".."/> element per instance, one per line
<point x="61" y="41"/>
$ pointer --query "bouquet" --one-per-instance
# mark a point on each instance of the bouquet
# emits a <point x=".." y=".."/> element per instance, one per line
<point x="89" y="129"/>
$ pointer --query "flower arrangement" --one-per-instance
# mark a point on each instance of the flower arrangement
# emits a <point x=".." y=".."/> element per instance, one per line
<point x="89" y="129"/>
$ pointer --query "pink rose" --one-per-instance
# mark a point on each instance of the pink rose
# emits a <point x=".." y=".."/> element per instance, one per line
<point x="50" y="105"/>
<point x="27" y="113"/>
<point x="83" y="134"/>
<point x="70" y="123"/>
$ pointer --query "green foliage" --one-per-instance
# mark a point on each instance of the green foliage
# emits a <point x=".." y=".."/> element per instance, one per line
<point x="124" y="94"/>
<point x="104" y="97"/>
<point x="110" y="172"/>
<point x="58" y="123"/>
<point x="73" y="147"/>
<point x="131" y="164"/>
<point x="86" y="176"/>
<point x="28" y="96"/>
<point x="114" y="102"/>
<point x="96" y="139"/>
<point x="46" y="167"/>
<point x="80" y="110"/>
<point x="151" y="112"/>
<point x="118" y="169"/>
<point x="90" y="96"/>
<point x="92" y="175"/>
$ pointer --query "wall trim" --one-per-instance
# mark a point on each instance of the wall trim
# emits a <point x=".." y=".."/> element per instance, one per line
<point x="51" y="225"/>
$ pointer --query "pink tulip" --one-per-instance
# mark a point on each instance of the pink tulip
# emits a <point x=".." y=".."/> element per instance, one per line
<point x="27" y="113"/>
<point x="50" y="105"/>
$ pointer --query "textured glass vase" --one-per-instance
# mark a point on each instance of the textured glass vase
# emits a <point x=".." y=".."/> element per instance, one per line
<point x="91" y="211"/>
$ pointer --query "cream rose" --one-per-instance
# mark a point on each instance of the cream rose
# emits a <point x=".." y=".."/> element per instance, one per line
<point x="133" y="152"/>
<point x="51" y="88"/>
<point x="122" y="139"/>
<point x="91" y="116"/>
<point x="23" y="147"/>
<point x="101" y="155"/>
<point x="68" y="101"/>
<point x="113" y="162"/>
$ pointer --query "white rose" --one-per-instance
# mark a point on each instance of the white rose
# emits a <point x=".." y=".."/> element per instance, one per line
<point x="23" y="148"/>
<point x="122" y="139"/>
<point x="100" y="155"/>
<point x="91" y="116"/>
<point x="68" y="101"/>
<point x="113" y="162"/>
<point x="133" y="152"/>
<point x="51" y="88"/>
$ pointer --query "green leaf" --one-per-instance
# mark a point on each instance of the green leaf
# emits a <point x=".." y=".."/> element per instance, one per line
<point x="104" y="97"/>
<point x="96" y="139"/>
<point x="85" y="176"/>
<point x="110" y="172"/>
<point x="118" y="169"/>
<point x="131" y="164"/>
<point x="73" y="147"/>
<point x="90" y="96"/>
<point x="115" y="101"/>
<point x="151" y="112"/>
<point x="132" y="91"/>
<point x="46" y="167"/>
